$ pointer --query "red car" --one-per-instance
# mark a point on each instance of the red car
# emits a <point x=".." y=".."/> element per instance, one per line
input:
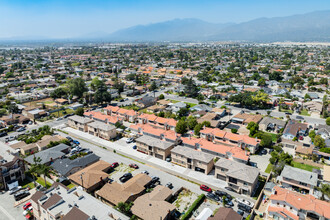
<point x="133" y="165"/>
<point x="27" y="205"/>
<point x="205" y="188"/>
<point x="115" y="164"/>
<point x="301" y="138"/>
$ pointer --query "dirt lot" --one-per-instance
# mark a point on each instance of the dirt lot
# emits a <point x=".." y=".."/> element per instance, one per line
<point x="185" y="200"/>
<point x="38" y="103"/>
<point x="120" y="170"/>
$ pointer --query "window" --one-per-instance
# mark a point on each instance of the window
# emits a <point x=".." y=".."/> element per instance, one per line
<point x="278" y="203"/>
<point x="290" y="208"/>
<point x="284" y="205"/>
<point x="245" y="184"/>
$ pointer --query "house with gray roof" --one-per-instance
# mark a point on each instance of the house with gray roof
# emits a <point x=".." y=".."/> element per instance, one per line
<point x="154" y="146"/>
<point x="323" y="131"/>
<point x="192" y="159"/>
<point x="66" y="167"/>
<point x="79" y="122"/>
<point x="240" y="177"/>
<point x="298" y="179"/>
<point x="49" y="155"/>
<point x="102" y="130"/>
<point x="201" y="107"/>
<point x="271" y="124"/>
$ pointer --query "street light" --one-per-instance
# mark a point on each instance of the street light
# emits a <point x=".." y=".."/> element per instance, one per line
<point x="82" y="181"/>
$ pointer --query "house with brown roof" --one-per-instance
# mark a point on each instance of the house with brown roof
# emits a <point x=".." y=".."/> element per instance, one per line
<point x="245" y="119"/>
<point x="154" y="205"/>
<point x="226" y="214"/>
<point x="213" y="118"/>
<point x="93" y="176"/>
<point x="114" y="193"/>
<point x="14" y="119"/>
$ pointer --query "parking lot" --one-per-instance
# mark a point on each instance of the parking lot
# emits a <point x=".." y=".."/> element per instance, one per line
<point x="7" y="209"/>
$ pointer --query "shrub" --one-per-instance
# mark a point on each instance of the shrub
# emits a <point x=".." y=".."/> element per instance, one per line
<point x="234" y="130"/>
<point x="193" y="207"/>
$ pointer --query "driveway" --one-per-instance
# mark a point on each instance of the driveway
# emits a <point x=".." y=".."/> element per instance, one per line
<point x="7" y="209"/>
<point x="262" y="161"/>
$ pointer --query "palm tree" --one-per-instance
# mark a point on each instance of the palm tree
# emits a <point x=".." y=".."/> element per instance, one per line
<point x="325" y="190"/>
<point x="34" y="169"/>
<point x="44" y="169"/>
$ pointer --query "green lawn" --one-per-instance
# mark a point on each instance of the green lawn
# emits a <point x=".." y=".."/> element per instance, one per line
<point x="269" y="168"/>
<point x="190" y="104"/>
<point x="71" y="185"/>
<point x="304" y="112"/>
<point x="41" y="181"/>
<point x="27" y="183"/>
<point x="304" y="166"/>
<point x="274" y="136"/>
<point x="174" y="101"/>
<point x="61" y="113"/>
<point x="286" y="110"/>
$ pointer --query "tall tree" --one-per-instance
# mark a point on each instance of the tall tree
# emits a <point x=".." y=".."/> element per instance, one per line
<point x="77" y="87"/>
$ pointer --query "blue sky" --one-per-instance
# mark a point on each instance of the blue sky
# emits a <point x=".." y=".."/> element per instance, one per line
<point x="74" y="18"/>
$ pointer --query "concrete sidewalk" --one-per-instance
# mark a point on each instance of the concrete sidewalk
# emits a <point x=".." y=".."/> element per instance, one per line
<point x="176" y="170"/>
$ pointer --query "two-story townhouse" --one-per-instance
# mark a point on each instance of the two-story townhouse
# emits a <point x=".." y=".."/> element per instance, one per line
<point x="102" y="130"/>
<point x="79" y="123"/>
<point x="298" y="179"/>
<point x="11" y="171"/>
<point x="192" y="159"/>
<point x="241" y="178"/>
<point x="154" y="146"/>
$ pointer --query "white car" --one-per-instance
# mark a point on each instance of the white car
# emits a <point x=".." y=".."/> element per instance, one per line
<point x="27" y="211"/>
<point x="15" y="189"/>
<point x="245" y="202"/>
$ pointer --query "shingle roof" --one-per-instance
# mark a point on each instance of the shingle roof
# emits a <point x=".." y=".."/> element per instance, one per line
<point x="238" y="170"/>
<point x="63" y="166"/>
<point x="154" y="142"/>
<point x="48" y="154"/>
<point x="193" y="154"/>
<point x="299" y="175"/>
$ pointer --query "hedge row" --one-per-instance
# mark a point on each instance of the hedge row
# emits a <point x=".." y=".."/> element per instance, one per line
<point x="193" y="207"/>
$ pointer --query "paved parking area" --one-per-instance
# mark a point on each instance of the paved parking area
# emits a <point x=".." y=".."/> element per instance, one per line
<point x="7" y="209"/>
<point x="262" y="161"/>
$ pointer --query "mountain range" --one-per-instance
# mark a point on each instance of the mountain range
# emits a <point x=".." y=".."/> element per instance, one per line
<point x="314" y="26"/>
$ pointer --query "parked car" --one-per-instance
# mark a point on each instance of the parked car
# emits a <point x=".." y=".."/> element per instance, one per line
<point x="2" y="134"/>
<point x="145" y="172"/>
<point x="205" y="188"/>
<point x="169" y="185"/>
<point x="20" y="195"/>
<point x="115" y="164"/>
<point x="168" y="159"/>
<point x="69" y="138"/>
<point x="212" y="196"/>
<point x="20" y="129"/>
<point x="59" y="119"/>
<point x="27" y="205"/>
<point x="154" y="179"/>
<point x="125" y="177"/>
<point x="25" y="212"/>
<point x="129" y="140"/>
<point x="229" y="189"/>
<point x="14" y="190"/>
<point x="263" y="151"/>
<point x="240" y="212"/>
<point x="220" y="193"/>
<point x="30" y="123"/>
<point x="301" y="138"/>
<point x="245" y="202"/>
<point x="300" y="117"/>
<point x="133" y="165"/>
<point x="76" y="142"/>
<point x="244" y="207"/>
<point x="134" y="147"/>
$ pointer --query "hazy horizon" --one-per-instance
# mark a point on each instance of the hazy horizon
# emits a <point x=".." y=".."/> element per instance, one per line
<point x="73" y="18"/>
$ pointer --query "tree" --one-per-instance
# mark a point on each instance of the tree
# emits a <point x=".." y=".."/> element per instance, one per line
<point x="319" y="141"/>
<point x="312" y="135"/>
<point x="102" y="95"/>
<point x="181" y="127"/>
<point x="325" y="190"/>
<point x="124" y="207"/>
<point x="96" y="83"/>
<point x="79" y="111"/>
<point x="44" y="170"/>
<point x="161" y="96"/>
<point x="253" y="128"/>
<point x="327" y="121"/>
<point x="197" y="129"/>
<point x="182" y="112"/>
<point x="277" y="76"/>
<point x="153" y="86"/>
<point x="262" y="82"/>
<point x="191" y="90"/>
<point x="191" y="122"/>
<point x="58" y="93"/>
<point x="77" y="87"/>
<point x="234" y="130"/>
<point x="12" y="108"/>
<point x="35" y="169"/>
